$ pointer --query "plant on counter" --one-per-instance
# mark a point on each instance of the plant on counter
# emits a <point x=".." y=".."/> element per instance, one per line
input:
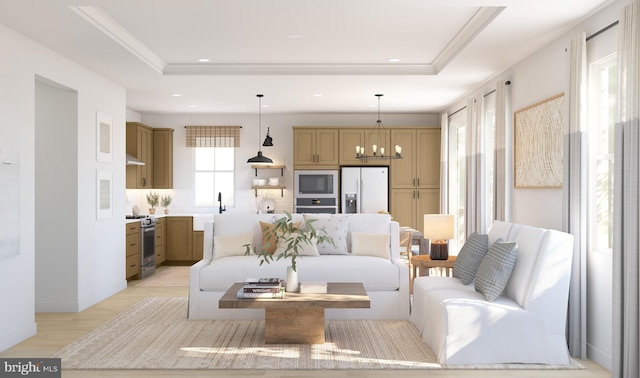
<point x="165" y="201"/>
<point x="153" y="199"/>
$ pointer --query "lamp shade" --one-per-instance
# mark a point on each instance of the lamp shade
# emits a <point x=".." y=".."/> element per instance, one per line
<point x="438" y="226"/>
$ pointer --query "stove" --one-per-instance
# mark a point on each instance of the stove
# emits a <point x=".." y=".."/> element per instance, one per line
<point x="147" y="245"/>
<point x="136" y="216"/>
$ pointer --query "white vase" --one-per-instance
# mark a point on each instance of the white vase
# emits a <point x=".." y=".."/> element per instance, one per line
<point x="292" y="280"/>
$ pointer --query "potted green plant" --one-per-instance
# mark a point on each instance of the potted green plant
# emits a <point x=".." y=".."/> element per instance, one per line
<point x="165" y="201"/>
<point x="153" y="199"/>
<point x="293" y="236"/>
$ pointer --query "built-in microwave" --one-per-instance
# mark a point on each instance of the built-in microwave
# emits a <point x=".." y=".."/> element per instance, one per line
<point x="316" y="183"/>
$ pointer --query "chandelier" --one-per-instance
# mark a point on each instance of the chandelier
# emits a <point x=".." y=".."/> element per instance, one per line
<point x="379" y="138"/>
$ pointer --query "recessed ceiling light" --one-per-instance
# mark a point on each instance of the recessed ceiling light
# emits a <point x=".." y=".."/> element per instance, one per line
<point x="295" y="36"/>
<point x="317" y="95"/>
<point x="266" y="106"/>
<point x="203" y="60"/>
<point x="176" y="94"/>
<point x="192" y="106"/>
<point x="394" y="60"/>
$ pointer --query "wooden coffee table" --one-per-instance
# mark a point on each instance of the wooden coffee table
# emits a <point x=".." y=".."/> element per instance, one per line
<point x="299" y="318"/>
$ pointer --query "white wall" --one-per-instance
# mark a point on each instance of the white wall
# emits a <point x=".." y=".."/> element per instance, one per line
<point x="536" y="78"/>
<point x="282" y="151"/>
<point x="99" y="258"/>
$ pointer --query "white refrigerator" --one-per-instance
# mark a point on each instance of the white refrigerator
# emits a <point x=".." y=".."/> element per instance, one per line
<point x="364" y="189"/>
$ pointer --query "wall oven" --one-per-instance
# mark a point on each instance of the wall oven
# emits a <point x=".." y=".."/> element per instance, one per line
<point x="316" y="191"/>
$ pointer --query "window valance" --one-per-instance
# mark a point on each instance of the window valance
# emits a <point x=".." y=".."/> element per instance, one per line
<point x="213" y="136"/>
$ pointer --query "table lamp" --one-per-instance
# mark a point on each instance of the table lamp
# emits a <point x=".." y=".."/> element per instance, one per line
<point x="439" y="228"/>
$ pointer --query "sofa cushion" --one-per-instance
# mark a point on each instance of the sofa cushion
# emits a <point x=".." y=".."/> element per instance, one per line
<point x="529" y="241"/>
<point x="232" y="245"/>
<point x="470" y="257"/>
<point x="495" y="269"/>
<point x="226" y="224"/>
<point x="336" y="226"/>
<point x="376" y="274"/>
<point x="368" y="244"/>
<point x="269" y="243"/>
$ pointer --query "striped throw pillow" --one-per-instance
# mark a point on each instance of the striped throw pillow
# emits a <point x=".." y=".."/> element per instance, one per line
<point x="470" y="257"/>
<point x="495" y="269"/>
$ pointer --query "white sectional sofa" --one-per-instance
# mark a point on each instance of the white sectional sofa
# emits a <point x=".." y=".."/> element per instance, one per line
<point x="525" y="324"/>
<point x="386" y="280"/>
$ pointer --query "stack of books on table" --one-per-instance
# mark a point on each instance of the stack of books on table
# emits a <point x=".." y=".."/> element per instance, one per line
<point x="262" y="288"/>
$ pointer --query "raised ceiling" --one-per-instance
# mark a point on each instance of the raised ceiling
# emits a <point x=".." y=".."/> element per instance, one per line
<point x="305" y="56"/>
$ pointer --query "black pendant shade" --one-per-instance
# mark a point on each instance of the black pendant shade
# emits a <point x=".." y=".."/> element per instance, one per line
<point x="259" y="158"/>
<point x="268" y="141"/>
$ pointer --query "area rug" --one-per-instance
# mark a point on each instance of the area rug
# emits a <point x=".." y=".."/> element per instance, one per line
<point x="168" y="276"/>
<point x="155" y="334"/>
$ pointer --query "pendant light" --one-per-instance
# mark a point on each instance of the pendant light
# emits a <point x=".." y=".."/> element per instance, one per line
<point x="268" y="141"/>
<point x="259" y="158"/>
<point x="378" y="147"/>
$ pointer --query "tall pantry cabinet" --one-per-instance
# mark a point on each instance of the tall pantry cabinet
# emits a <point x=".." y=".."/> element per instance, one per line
<point x="415" y="179"/>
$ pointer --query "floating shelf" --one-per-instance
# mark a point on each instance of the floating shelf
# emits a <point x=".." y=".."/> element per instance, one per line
<point x="262" y="187"/>
<point x="269" y="166"/>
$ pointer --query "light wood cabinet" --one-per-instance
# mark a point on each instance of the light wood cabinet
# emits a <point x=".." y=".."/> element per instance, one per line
<point x="163" y="158"/>
<point x="154" y="147"/>
<point x="140" y="145"/>
<point x="408" y="206"/>
<point x="198" y="245"/>
<point x="350" y="138"/>
<point x="179" y="238"/>
<point x="315" y="148"/>
<point x="160" y="244"/>
<point x="415" y="179"/>
<point x="132" y="250"/>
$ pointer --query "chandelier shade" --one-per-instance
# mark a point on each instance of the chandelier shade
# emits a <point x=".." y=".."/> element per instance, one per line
<point x="260" y="158"/>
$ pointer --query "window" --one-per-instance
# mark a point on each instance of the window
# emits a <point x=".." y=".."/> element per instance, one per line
<point x="603" y="89"/>
<point x="458" y="174"/>
<point x="214" y="173"/>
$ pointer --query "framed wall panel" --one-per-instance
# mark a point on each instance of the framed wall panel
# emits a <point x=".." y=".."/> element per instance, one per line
<point x="538" y="135"/>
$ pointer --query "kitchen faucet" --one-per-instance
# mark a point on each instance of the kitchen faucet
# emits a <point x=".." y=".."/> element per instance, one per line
<point x="222" y="208"/>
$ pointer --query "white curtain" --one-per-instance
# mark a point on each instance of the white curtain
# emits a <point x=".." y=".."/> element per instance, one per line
<point x="501" y="167"/>
<point x="574" y="192"/>
<point x="626" y="201"/>
<point x="473" y="169"/>
<point x="444" y="164"/>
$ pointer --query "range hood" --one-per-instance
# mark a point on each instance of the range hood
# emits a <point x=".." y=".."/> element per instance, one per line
<point x="133" y="161"/>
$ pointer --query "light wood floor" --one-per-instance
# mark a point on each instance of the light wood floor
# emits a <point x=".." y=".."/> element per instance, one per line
<point x="55" y="330"/>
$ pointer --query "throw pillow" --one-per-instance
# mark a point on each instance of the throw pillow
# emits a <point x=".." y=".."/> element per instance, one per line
<point x="470" y="257"/>
<point x="269" y="243"/>
<point x="495" y="269"/>
<point x="232" y="245"/>
<point x="336" y="226"/>
<point x="304" y="249"/>
<point x="367" y="244"/>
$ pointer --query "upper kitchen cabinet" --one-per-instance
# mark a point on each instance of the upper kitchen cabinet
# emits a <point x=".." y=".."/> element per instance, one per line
<point x="163" y="158"/>
<point x="315" y="148"/>
<point x="140" y="145"/>
<point x="153" y="147"/>
<point x="350" y="138"/>
<point x="415" y="179"/>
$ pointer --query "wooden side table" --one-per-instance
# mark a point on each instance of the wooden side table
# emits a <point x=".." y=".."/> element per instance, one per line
<point x="425" y="263"/>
